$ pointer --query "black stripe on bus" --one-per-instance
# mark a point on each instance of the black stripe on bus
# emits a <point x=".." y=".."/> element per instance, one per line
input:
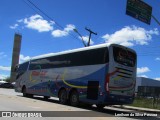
<point x="124" y="69"/>
<point x="123" y="76"/>
<point x="124" y="73"/>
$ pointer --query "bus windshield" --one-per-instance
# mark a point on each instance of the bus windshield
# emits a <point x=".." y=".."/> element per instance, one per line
<point x="123" y="56"/>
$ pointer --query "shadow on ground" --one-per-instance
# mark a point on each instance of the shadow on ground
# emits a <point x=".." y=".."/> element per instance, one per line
<point x="92" y="111"/>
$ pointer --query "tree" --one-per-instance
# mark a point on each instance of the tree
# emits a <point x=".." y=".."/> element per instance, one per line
<point x="7" y="79"/>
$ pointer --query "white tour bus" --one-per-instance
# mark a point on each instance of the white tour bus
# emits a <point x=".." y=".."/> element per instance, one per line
<point x="101" y="74"/>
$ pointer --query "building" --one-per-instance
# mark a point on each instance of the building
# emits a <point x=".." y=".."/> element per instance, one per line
<point x="147" y="87"/>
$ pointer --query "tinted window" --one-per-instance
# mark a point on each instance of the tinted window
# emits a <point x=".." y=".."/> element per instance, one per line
<point x="124" y="56"/>
<point x="88" y="57"/>
<point x="23" y="67"/>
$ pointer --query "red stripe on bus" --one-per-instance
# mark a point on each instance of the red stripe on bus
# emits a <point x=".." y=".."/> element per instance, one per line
<point x="107" y="79"/>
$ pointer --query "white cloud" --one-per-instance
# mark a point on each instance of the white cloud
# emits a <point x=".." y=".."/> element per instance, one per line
<point x="62" y="33"/>
<point x="59" y="33"/>
<point x="14" y="26"/>
<point x="130" y="36"/>
<point x="2" y="55"/>
<point x="142" y="70"/>
<point x="20" y="20"/>
<point x="158" y="58"/>
<point x="69" y="28"/>
<point x="145" y="76"/>
<point x="3" y="76"/>
<point x="37" y="22"/>
<point x="157" y="79"/>
<point x="43" y="55"/>
<point x="3" y="68"/>
<point x="24" y="58"/>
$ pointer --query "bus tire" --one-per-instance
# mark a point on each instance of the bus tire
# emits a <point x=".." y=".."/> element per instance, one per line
<point x="30" y="95"/>
<point x="24" y="92"/>
<point x="63" y="96"/>
<point x="86" y="105"/>
<point x="74" y="98"/>
<point x="100" y="106"/>
<point x="46" y="97"/>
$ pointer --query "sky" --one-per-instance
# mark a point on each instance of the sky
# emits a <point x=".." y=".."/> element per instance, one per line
<point x="53" y="32"/>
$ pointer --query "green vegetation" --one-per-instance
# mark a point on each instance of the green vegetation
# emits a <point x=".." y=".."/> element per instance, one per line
<point x="7" y="79"/>
<point x="147" y="103"/>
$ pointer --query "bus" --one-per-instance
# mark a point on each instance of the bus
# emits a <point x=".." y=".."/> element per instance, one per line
<point x="101" y="75"/>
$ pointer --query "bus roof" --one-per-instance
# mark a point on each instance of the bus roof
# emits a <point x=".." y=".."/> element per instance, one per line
<point x="70" y="51"/>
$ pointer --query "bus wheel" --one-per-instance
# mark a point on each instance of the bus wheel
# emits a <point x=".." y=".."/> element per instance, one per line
<point x="24" y="92"/>
<point x="100" y="106"/>
<point x="46" y="97"/>
<point x="30" y="95"/>
<point x="74" y="98"/>
<point x="63" y="96"/>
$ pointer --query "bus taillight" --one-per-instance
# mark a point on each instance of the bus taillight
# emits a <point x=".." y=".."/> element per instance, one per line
<point x="107" y="83"/>
<point x="107" y="79"/>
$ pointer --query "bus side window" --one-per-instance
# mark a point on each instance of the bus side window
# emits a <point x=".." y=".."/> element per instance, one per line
<point x="16" y="68"/>
<point x="22" y="69"/>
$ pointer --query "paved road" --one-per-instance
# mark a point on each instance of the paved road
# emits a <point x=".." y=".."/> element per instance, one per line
<point x="12" y="101"/>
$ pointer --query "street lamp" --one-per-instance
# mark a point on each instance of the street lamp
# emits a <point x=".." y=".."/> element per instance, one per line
<point x="75" y="30"/>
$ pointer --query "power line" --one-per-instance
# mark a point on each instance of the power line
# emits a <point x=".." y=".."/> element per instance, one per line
<point x="30" y="7"/>
<point x="144" y="53"/>
<point x="46" y="15"/>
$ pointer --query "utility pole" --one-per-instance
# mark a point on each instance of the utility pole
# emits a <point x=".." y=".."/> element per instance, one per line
<point x="90" y="32"/>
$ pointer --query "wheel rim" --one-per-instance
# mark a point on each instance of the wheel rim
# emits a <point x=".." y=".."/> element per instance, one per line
<point x="63" y="97"/>
<point x="74" y="98"/>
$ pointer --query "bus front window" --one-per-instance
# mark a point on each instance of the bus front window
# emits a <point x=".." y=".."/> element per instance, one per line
<point x="123" y="56"/>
